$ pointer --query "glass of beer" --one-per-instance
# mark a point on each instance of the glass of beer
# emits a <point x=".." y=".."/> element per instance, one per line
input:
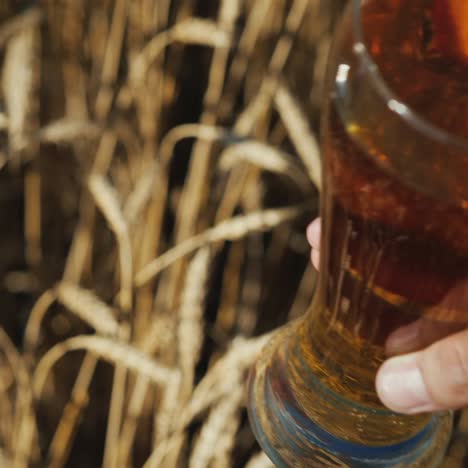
<point x="394" y="242"/>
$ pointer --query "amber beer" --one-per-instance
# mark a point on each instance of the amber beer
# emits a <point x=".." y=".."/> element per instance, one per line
<point x="398" y="250"/>
<point x="394" y="248"/>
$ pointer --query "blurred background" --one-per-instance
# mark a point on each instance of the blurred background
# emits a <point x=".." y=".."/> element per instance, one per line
<point x="159" y="163"/>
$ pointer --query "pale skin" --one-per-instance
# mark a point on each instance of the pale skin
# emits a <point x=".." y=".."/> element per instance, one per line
<point x="430" y="372"/>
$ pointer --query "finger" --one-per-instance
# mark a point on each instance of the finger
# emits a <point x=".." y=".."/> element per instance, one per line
<point x="418" y="335"/>
<point x="315" y="257"/>
<point x="313" y="234"/>
<point x="429" y="380"/>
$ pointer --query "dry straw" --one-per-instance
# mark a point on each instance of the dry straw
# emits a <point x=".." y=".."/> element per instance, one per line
<point x="222" y="377"/>
<point x="110" y="66"/>
<point x="232" y="229"/>
<point x="62" y="440"/>
<point x="107" y="199"/>
<point x="196" y="31"/>
<point x="260" y="460"/>
<point x="223" y="456"/>
<point x="18" y="23"/>
<point x="24" y="426"/>
<point x="258" y="153"/>
<point x="36" y="316"/>
<point x="157" y="457"/>
<point x="299" y="131"/>
<point x="214" y="430"/>
<point x="3" y="121"/>
<point x="168" y="409"/>
<point x="221" y="386"/>
<point x="176" y="134"/>
<point x="86" y="305"/>
<point x="80" y="249"/>
<point x="265" y="157"/>
<point x="18" y="81"/>
<point x="191" y="327"/>
<point x="134" y="410"/>
<point x="115" y="352"/>
<point x="189" y="338"/>
<point x="68" y="131"/>
<point x="141" y="195"/>
<point x="74" y="270"/>
<point x="195" y="189"/>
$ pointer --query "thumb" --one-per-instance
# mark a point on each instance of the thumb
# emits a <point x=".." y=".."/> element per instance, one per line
<point x="429" y="380"/>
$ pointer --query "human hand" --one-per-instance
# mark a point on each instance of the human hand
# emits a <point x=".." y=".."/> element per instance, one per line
<point x="432" y="374"/>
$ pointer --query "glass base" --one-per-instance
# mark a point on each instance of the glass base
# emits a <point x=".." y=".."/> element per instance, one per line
<point x="292" y="439"/>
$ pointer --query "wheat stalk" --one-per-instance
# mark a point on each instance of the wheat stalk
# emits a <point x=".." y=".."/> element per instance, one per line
<point x="195" y="31"/>
<point x="232" y="229"/>
<point x="259" y="460"/>
<point x="222" y="377"/>
<point x="60" y="446"/>
<point x="189" y="342"/>
<point x="3" y="121"/>
<point x="29" y="18"/>
<point x="221" y="380"/>
<point x="189" y="339"/>
<point x="212" y="431"/>
<point x="141" y="195"/>
<point x="67" y="130"/>
<point x="118" y="395"/>
<point x="190" y="327"/>
<point x="36" y="316"/>
<point x="81" y="244"/>
<point x="33" y="216"/>
<point x="251" y="291"/>
<point x="265" y="157"/>
<point x="89" y="308"/>
<point x="168" y="408"/>
<point x="112" y="55"/>
<point x="76" y="261"/>
<point x="247" y="42"/>
<point x="24" y="427"/>
<point x="299" y="131"/>
<point x="258" y="153"/>
<point x="232" y="284"/>
<point x="222" y="457"/>
<point x="259" y="105"/>
<point x="18" y="81"/>
<point x="198" y="177"/>
<point x="156" y="459"/>
<point x="130" y="424"/>
<point x="106" y="199"/>
<point x="117" y="353"/>
<point x="199" y="131"/>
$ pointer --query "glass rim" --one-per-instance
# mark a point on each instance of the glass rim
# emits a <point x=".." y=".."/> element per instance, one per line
<point x="394" y="103"/>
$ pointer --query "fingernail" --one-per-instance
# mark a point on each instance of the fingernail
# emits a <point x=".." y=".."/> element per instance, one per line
<point x="401" y="387"/>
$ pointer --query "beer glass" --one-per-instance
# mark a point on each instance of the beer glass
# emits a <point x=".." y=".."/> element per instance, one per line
<point x="394" y="245"/>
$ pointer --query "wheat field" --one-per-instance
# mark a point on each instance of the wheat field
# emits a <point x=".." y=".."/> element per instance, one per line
<point x="157" y="172"/>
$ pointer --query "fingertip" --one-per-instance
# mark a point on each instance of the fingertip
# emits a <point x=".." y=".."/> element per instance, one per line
<point x="401" y="387"/>
<point x="313" y="233"/>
